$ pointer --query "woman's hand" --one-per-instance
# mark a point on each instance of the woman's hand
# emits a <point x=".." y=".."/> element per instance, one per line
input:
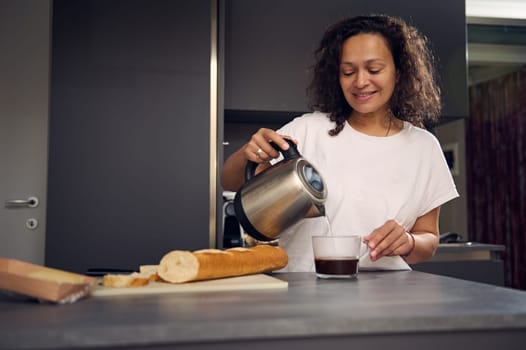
<point x="259" y="150"/>
<point x="392" y="239"/>
<point x="388" y="240"/>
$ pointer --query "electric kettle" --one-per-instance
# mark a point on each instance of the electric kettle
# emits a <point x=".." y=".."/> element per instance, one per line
<point x="278" y="197"/>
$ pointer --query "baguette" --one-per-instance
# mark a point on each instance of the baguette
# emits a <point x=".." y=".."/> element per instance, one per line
<point x="181" y="266"/>
<point x="134" y="279"/>
<point x="150" y="270"/>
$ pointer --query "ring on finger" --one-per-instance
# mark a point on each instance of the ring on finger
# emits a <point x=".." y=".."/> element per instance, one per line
<point x="259" y="152"/>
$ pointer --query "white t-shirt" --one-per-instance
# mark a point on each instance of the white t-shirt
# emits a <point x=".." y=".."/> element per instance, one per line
<point x="369" y="180"/>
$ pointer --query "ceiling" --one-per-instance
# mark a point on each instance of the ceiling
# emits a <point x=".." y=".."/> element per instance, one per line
<point x="496" y="35"/>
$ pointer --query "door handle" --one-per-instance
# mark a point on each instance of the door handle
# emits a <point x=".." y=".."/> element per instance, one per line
<point x="31" y="202"/>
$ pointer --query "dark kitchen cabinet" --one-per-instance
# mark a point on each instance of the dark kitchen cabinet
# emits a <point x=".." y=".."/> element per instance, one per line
<point x="467" y="260"/>
<point x="269" y="47"/>
<point x="129" y="170"/>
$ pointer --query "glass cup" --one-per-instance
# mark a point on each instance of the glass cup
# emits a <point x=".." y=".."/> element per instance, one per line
<point x="336" y="256"/>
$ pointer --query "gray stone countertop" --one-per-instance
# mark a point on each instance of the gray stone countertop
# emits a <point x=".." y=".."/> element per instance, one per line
<point x="379" y="303"/>
<point x="469" y="246"/>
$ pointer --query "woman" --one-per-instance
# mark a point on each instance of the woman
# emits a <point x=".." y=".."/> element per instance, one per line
<point x="373" y="87"/>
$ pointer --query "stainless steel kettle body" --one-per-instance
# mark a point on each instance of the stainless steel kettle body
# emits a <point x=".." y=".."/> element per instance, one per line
<point x="280" y="196"/>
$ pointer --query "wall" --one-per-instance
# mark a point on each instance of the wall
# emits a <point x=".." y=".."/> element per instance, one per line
<point x="453" y="215"/>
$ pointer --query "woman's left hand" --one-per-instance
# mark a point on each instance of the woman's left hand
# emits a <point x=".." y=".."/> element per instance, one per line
<point x="388" y="240"/>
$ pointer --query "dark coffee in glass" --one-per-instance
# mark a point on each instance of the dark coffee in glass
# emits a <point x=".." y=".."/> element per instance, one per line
<point x="336" y="256"/>
<point x="344" y="267"/>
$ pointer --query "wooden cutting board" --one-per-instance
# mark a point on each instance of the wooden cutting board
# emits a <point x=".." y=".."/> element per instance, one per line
<point x="251" y="282"/>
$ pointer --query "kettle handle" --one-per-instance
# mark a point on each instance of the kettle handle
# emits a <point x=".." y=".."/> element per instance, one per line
<point x="290" y="153"/>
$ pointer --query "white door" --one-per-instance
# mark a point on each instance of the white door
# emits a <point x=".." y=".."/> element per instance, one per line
<point x="24" y="108"/>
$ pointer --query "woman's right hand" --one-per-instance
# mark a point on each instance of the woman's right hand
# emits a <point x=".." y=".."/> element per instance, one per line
<point x="259" y="150"/>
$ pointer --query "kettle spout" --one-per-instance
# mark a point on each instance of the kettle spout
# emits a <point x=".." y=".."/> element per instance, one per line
<point x="315" y="211"/>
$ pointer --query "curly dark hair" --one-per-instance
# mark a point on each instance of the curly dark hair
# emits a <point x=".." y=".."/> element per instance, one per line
<point x="416" y="97"/>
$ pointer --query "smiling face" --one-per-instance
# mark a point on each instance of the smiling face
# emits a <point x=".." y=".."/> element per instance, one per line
<point x="367" y="74"/>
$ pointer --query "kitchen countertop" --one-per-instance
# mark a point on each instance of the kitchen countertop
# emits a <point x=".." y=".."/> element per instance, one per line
<point x="467" y="251"/>
<point x="471" y="246"/>
<point x="402" y="309"/>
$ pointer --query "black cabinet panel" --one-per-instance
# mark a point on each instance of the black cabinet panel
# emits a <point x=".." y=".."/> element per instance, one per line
<point x="269" y="47"/>
<point x="129" y="132"/>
